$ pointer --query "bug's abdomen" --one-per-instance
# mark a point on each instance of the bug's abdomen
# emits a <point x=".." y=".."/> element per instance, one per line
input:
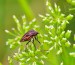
<point x="25" y="38"/>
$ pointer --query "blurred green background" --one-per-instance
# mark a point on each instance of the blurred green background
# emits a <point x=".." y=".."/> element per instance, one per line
<point x="30" y="8"/>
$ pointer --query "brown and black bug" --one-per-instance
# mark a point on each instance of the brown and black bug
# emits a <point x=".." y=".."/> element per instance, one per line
<point x="30" y="35"/>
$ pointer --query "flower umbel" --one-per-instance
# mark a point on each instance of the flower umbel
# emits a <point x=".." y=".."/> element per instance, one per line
<point x="25" y="52"/>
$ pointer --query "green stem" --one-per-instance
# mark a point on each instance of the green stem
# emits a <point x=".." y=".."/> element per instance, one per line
<point x="28" y="12"/>
<point x="65" y="56"/>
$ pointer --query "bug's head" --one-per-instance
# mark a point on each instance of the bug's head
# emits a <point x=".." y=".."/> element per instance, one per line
<point x="37" y="33"/>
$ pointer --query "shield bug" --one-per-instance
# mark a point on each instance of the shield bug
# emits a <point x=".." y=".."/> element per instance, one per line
<point x="30" y="35"/>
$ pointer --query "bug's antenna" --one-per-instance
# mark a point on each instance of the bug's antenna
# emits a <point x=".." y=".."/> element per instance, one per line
<point x="37" y="40"/>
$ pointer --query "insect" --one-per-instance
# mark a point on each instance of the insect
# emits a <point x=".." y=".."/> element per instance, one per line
<point x="30" y="35"/>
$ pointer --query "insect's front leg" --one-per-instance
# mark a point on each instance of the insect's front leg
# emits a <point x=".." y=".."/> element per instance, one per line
<point x="37" y="39"/>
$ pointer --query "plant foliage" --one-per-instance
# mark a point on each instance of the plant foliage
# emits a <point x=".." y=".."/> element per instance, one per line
<point x="55" y="48"/>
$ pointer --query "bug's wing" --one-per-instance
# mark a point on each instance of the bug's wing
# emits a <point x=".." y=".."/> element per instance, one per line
<point x="25" y="38"/>
<point x="32" y="33"/>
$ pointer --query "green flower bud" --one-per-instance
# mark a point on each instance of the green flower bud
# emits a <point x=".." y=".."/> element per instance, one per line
<point x="42" y="62"/>
<point x="68" y="44"/>
<point x="22" y="59"/>
<point x="68" y="33"/>
<point x="43" y="56"/>
<point x="73" y="2"/>
<point x="69" y="17"/>
<point x="72" y="54"/>
<point x="61" y="63"/>
<point x="63" y="40"/>
<point x="10" y="60"/>
<point x="59" y="51"/>
<point x="28" y="59"/>
<point x="62" y="34"/>
<point x="73" y="45"/>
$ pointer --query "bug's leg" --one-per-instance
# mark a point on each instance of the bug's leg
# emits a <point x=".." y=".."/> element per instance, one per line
<point x="37" y="40"/>
<point x="33" y="43"/>
<point x="28" y="42"/>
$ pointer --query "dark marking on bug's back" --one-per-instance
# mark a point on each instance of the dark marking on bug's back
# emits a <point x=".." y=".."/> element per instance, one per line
<point x="32" y="33"/>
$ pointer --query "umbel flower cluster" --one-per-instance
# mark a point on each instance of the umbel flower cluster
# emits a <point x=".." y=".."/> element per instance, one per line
<point x="55" y="48"/>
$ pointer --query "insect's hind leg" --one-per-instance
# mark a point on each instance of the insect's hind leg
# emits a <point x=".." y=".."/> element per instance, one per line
<point x="28" y="42"/>
<point x="33" y="43"/>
